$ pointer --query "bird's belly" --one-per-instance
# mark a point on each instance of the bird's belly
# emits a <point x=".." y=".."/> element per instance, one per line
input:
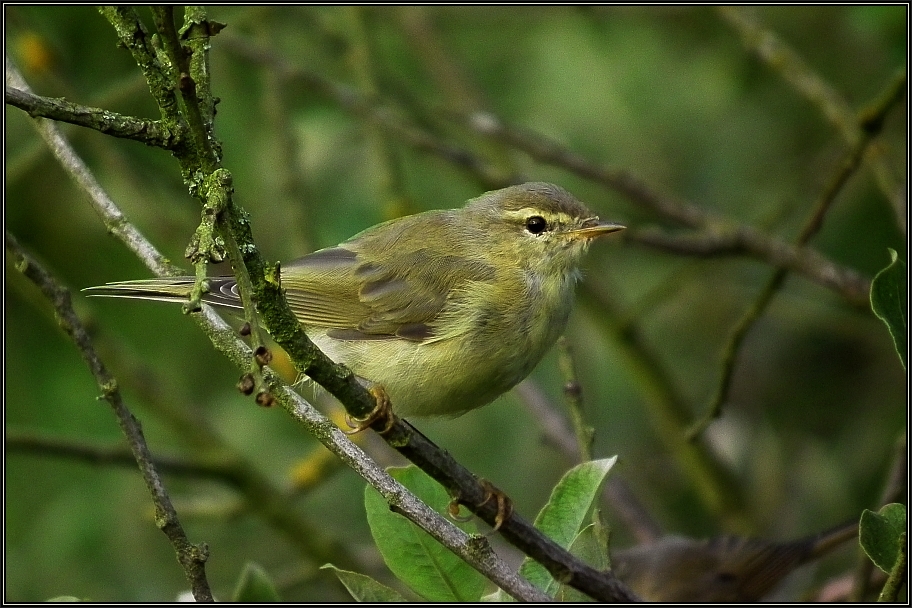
<point x="443" y="378"/>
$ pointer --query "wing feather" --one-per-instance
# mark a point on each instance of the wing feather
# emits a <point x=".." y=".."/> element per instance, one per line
<point x="382" y="295"/>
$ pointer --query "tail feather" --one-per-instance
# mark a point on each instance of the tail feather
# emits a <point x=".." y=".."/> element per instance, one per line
<point x="222" y="290"/>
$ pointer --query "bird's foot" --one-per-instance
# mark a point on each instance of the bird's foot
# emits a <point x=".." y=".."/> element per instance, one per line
<point x="382" y="411"/>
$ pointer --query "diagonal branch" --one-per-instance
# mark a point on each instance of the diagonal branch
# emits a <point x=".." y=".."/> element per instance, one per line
<point x="747" y="239"/>
<point x="191" y="557"/>
<point x="112" y="217"/>
<point x="872" y="120"/>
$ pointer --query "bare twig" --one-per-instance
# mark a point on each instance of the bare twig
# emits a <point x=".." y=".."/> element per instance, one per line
<point x="113" y="219"/>
<point x="191" y="557"/>
<point x="872" y="120"/>
<point x="573" y="395"/>
<point x="617" y="493"/>
<point x="785" y="61"/>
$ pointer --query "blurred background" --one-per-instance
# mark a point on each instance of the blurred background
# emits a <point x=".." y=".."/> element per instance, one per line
<point x="333" y="119"/>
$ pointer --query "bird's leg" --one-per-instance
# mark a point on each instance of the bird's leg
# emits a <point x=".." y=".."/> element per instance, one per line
<point x="382" y="411"/>
<point x="504" y="504"/>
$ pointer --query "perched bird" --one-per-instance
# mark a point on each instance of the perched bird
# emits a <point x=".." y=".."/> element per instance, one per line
<point x="446" y="309"/>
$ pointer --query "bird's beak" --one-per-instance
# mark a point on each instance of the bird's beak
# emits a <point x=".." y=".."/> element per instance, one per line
<point x="593" y="228"/>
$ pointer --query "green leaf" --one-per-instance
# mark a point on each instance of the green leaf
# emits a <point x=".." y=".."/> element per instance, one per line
<point x="364" y="588"/>
<point x="64" y="598"/>
<point x="879" y="533"/>
<point x="255" y="585"/>
<point x="427" y="567"/>
<point x="889" y="301"/>
<point x="591" y="546"/>
<point x="565" y="514"/>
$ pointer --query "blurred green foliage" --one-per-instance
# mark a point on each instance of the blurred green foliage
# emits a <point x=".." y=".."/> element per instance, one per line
<point x="670" y="94"/>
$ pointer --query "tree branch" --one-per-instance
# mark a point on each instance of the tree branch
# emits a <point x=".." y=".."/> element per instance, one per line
<point x="191" y="557"/>
<point x="150" y="132"/>
<point x="112" y="217"/>
<point x="872" y="120"/>
<point x="42" y="444"/>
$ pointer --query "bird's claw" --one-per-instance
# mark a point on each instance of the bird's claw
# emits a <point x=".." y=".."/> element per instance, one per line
<point x="382" y="411"/>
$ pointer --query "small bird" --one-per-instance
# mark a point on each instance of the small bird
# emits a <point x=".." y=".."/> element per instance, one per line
<point x="446" y="309"/>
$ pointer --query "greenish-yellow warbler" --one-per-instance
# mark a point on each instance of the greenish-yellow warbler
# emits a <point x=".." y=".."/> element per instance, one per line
<point x="446" y="309"/>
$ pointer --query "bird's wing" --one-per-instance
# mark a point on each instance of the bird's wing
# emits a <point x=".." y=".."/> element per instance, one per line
<point x="360" y="298"/>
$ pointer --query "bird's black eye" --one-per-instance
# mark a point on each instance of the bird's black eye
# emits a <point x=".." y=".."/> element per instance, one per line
<point x="536" y="224"/>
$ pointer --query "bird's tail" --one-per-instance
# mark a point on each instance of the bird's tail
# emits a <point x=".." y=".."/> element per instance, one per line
<point x="222" y="290"/>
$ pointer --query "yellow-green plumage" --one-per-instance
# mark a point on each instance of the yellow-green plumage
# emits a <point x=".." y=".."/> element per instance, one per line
<point x="445" y="309"/>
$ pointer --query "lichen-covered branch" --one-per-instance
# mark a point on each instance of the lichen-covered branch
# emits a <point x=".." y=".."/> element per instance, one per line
<point x="150" y="132"/>
<point x="133" y="35"/>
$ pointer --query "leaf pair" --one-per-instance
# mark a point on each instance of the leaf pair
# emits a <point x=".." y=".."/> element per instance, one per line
<point x="436" y="574"/>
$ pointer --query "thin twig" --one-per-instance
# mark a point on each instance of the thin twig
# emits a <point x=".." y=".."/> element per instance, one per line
<point x="785" y="61"/>
<point x="112" y="217"/>
<point x="573" y="395"/>
<point x="617" y="492"/>
<point x="872" y="119"/>
<point x="191" y="557"/>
